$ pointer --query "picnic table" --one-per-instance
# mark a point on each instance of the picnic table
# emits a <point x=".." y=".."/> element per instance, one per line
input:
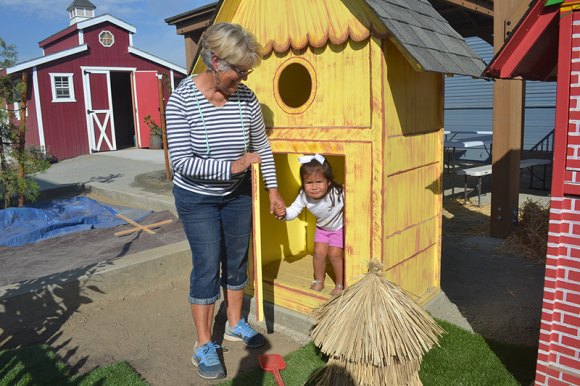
<point x="480" y="139"/>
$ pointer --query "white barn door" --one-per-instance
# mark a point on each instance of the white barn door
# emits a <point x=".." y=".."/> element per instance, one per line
<point x="99" y="109"/>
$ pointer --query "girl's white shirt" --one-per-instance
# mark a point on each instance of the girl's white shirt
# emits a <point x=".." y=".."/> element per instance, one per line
<point x="328" y="217"/>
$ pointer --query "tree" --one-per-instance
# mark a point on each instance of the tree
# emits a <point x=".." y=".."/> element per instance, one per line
<point x="17" y="161"/>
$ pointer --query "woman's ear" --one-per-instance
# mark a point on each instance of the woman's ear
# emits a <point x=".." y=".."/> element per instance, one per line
<point x="214" y="62"/>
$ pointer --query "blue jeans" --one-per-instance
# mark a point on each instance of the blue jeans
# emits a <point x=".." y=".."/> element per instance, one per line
<point x="218" y="230"/>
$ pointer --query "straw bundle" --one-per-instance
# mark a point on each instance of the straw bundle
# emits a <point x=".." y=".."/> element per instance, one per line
<point x="340" y="373"/>
<point x="375" y="331"/>
<point x="530" y="237"/>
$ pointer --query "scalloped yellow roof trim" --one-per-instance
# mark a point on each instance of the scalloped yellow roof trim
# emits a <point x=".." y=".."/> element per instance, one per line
<point x="280" y="25"/>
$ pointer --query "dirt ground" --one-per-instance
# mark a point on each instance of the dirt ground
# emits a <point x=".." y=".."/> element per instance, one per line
<point x="500" y="295"/>
<point x="153" y="332"/>
<point x="498" y="292"/>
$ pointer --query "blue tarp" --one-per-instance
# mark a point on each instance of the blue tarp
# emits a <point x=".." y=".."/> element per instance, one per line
<point x="19" y="226"/>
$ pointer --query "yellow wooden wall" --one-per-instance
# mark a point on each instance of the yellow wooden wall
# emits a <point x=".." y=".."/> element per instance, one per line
<point x="413" y="170"/>
<point x="336" y="85"/>
<point x="384" y="120"/>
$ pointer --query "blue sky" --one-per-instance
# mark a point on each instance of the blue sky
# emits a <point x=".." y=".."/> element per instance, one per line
<point x="26" y="22"/>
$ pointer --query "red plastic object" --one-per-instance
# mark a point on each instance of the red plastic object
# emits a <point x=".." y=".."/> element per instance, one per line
<point x="273" y="363"/>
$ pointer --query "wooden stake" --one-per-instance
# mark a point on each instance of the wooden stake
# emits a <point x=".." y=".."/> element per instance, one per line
<point x="150" y="226"/>
<point x="138" y="226"/>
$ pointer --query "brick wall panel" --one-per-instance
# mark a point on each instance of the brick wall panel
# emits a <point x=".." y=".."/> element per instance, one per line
<point x="570" y="341"/>
<point x="571" y="379"/>
<point x="573" y="320"/>
<point x="572" y="363"/>
<point x="570" y="297"/>
<point x="570" y="308"/>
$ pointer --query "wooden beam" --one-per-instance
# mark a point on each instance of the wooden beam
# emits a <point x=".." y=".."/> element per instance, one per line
<point x="192" y="27"/>
<point x="516" y="14"/>
<point x="508" y="122"/>
<point x="479" y="6"/>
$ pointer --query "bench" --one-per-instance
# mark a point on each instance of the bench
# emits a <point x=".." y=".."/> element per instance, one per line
<point x="485" y="170"/>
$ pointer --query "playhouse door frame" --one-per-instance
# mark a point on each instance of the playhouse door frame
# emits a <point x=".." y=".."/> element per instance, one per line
<point x="358" y="167"/>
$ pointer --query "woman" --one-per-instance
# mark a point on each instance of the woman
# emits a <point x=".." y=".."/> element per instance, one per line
<point x="215" y="131"/>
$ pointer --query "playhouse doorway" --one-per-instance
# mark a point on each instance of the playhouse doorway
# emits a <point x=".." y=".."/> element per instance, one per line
<point x="286" y="246"/>
<point x="123" y="109"/>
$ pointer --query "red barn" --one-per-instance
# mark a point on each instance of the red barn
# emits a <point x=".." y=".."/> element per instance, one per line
<point x="91" y="89"/>
<point x="546" y="46"/>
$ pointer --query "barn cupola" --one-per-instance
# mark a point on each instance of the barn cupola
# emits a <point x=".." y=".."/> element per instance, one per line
<point x="80" y="10"/>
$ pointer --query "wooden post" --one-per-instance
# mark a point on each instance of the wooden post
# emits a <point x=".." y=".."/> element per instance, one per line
<point x="508" y="123"/>
<point x="22" y="137"/>
<point x="163" y="126"/>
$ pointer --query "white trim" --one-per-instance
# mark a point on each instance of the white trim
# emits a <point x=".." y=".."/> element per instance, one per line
<point x="131" y="40"/>
<point x="172" y="79"/>
<point x="46" y="59"/>
<point x="136" y="109"/>
<point x="38" y="107"/>
<point x="88" y="103"/>
<point x="112" y="38"/>
<point x="71" y="87"/>
<point x="153" y="58"/>
<point x="15" y="109"/>
<point x="104" y="69"/>
<point x="99" y="19"/>
<point x="81" y="37"/>
<point x="112" y="115"/>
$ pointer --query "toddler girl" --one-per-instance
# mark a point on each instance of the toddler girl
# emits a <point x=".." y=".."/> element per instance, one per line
<point x="324" y="198"/>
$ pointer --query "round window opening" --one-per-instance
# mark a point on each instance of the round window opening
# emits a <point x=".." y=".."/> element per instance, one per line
<point x="295" y="85"/>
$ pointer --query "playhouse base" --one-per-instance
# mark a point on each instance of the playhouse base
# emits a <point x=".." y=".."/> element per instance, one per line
<point x="286" y="283"/>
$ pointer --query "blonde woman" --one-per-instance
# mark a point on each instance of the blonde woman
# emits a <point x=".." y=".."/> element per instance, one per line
<point x="215" y="131"/>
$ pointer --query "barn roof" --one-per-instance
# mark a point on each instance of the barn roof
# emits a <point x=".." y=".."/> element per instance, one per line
<point x="81" y="4"/>
<point x="424" y="36"/>
<point x="83" y="47"/>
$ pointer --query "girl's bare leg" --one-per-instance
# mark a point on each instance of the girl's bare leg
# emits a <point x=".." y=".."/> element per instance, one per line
<point x="319" y="265"/>
<point x="335" y="255"/>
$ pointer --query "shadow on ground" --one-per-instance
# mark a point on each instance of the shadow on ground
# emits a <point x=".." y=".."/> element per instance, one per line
<point x="29" y="320"/>
<point x="499" y="294"/>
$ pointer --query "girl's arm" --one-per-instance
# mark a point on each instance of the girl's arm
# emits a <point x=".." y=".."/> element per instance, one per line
<point x="294" y="210"/>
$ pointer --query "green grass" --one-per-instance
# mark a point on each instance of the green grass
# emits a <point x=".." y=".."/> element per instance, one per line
<point x="39" y="365"/>
<point x="463" y="358"/>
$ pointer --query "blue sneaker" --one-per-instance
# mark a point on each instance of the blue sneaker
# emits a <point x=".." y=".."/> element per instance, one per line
<point x="207" y="361"/>
<point x="243" y="332"/>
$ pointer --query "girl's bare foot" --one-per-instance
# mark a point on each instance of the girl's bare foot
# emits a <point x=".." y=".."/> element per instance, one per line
<point x="337" y="289"/>
<point x="317" y="285"/>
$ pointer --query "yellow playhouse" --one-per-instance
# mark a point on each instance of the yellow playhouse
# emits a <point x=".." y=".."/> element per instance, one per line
<point x="360" y="82"/>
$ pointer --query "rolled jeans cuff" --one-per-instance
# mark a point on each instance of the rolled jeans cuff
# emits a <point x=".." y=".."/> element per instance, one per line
<point x="204" y="301"/>
<point x="235" y="287"/>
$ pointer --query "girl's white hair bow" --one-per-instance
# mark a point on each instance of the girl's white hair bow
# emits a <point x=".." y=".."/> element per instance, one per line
<point x="307" y="158"/>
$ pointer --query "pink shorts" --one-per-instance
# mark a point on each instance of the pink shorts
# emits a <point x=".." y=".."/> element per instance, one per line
<point x="332" y="238"/>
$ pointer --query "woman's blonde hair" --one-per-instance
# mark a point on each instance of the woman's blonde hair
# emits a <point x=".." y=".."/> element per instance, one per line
<point x="230" y="43"/>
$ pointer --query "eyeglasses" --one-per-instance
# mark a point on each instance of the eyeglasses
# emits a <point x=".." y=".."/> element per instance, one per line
<point x="241" y="74"/>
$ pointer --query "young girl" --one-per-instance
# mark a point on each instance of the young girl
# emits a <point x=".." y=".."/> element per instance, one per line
<point x="324" y="198"/>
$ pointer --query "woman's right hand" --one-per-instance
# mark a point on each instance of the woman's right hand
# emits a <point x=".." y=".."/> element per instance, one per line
<point x="244" y="163"/>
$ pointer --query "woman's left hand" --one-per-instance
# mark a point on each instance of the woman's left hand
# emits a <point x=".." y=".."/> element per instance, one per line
<point x="276" y="200"/>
